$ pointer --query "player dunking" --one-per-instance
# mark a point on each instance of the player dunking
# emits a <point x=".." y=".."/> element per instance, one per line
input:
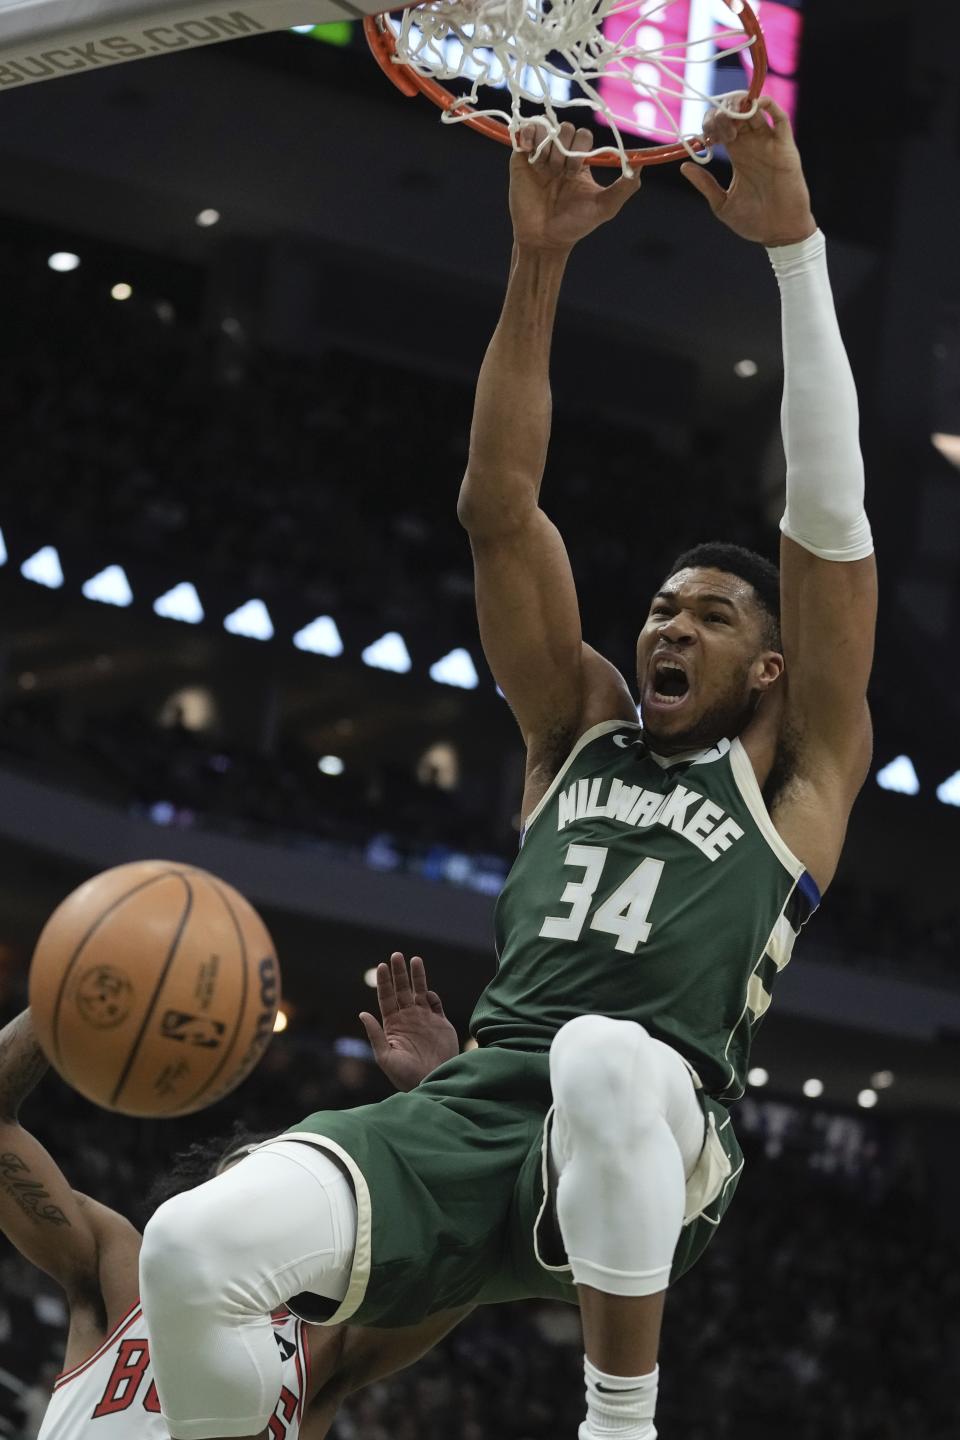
<point x="106" y="1390"/>
<point x="664" y="875"/>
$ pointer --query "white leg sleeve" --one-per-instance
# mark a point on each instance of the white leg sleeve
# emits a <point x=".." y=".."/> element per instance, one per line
<point x="820" y="415"/>
<point x="628" y="1130"/>
<point x="217" y="1260"/>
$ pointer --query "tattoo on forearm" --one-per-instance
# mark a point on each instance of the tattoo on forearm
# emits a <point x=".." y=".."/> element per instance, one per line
<point x="22" y="1062"/>
<point x="28" y="1193"/>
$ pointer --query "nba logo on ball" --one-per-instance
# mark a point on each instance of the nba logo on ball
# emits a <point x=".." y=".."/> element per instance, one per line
<point x="125" y="975"/>
<point x="192" y="1029"/>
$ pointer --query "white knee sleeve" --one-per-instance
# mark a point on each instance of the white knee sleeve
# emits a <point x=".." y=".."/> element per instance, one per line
<point x="628" y="1129"/>
<point x="217" y="1260"/>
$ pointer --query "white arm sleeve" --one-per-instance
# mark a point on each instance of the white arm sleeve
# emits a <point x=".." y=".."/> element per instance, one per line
<point x="820" y="417"/>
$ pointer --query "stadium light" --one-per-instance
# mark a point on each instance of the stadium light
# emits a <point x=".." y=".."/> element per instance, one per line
<point x="388" y="653"/>
<point x="181" y="603"/>
<point x="44" y="568"/>
<point x="948" y="445"/>
<point x="330" y="765"/>
<point x="351" y="1047"/>
<point x="899" y="776"/>
<point x="121" y="291"/>
<point x="867" y="1099"/>
<point x="949" y="792"/>
<point x="813" y="1089"/>
<point x="251" y="620"/>
<point x="63" y="261"/>
<point x="457" y="669"/>
<point x="3" y="550"/>
<point x="109" y="587"/>
<point x="320" y="637"/>
<point x="757" y="1076"/>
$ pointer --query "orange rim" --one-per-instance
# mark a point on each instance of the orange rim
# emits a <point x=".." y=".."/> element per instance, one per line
<point x="383" y="42"/>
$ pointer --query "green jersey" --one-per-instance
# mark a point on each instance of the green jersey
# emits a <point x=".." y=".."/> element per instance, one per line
<point x="651" y="889"/>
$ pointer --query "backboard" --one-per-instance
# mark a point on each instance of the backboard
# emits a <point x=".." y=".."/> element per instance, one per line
<point x="47" y="39"/>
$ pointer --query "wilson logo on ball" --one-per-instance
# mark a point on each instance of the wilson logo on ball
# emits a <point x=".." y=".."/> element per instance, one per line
<point x="268" y="972"/>
<point x="268" y="982"/>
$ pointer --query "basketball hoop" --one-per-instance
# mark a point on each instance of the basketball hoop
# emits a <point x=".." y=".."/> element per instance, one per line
<point x="560" y="54"/>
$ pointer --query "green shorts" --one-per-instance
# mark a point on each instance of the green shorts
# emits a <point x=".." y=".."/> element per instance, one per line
<point x="451" y="1185"/>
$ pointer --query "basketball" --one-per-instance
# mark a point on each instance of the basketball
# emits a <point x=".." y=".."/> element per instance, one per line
<point x="154" y="988"/>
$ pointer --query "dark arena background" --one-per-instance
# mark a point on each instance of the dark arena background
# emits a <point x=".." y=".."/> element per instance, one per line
<point x="238" y="630"/>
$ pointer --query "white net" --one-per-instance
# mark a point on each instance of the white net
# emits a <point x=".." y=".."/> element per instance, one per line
<point x="639" y="65"/>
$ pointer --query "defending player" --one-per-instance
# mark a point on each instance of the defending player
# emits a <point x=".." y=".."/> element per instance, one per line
<point x="106" y="1390"/>
<point x="664" y="875"/>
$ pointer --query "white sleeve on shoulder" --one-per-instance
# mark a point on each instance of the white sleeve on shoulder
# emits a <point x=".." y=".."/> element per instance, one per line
<point x="820" y="415"/>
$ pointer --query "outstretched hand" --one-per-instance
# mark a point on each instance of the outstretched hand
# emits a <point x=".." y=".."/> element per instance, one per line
<point x="768" y="200"/>
<point x="415" y="1036"/>
<point x="554" y="199"/>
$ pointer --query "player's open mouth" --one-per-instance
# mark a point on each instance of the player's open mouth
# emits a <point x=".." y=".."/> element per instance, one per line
<point x="669" y="686"/>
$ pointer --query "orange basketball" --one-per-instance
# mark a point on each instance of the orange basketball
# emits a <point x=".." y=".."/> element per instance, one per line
<point x="154" y="988"/>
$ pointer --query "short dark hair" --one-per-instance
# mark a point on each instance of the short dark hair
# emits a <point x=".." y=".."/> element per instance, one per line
<point x="198" y="1162"/>
<point x="758" y="572"/>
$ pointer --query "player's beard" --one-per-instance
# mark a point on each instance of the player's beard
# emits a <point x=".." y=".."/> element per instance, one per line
<point x="721" y="721"/>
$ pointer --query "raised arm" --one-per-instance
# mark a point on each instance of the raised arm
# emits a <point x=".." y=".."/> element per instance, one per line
<point x="413" y="1035"/>
<point x="828" y="577"/>
<point x="39" y="1212"/>
<point x="526" y="599"/>
<point x="87" y="1248"/>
